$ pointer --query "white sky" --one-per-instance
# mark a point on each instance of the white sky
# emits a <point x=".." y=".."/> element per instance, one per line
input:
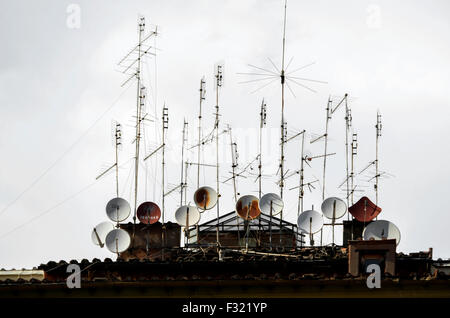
<point x="57" y="81"/>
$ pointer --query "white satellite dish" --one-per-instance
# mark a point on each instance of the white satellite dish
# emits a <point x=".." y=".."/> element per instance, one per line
<point x="205" y="198"/>
<point x="99" y="233"/>
<point x="187" y="215"/>
<point x="271" y="200"/>
<point x="334" y="208"/>
<point x="381" y="229"/>
<point x="118" y="210"/>
<point x="118" y="241"/>
<point x="310" y="221"/>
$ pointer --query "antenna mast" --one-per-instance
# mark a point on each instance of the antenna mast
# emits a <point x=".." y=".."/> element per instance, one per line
<point x="140" y="97"/>
<point x="183" y="183"/>
<point x="263" y="116"/>
<point x="282" y="76"/>
<point x="202" y="98"/>
<point x="377" y="175"/>
<point x="301" y="191"/>
<point x="348" y="124"/>
<point x="234" y="163"/>
<point x="165" y="125"/>
<point x="352" y="174"/>
<point x="219" y="82"/>
<point x="118" y="137"/>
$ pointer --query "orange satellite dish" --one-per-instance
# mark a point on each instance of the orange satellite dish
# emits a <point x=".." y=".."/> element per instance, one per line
<point x="247" y="207"/>
<point x="205" y="198"/>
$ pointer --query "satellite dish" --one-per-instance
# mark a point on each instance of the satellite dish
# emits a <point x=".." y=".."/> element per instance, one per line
<point x="271" y="200"/>
<point x="118" y="209"/>
<point x="247" y="207"/>
<point x="310" y="221"/>
<point x="381" y="229"/>
<point x="148" y="213"/>
<point x="364" y="210"/>
<point x="187" y="215"/>
<point x="118" y="241"/>
<point x="99" y="233"/>
<point x="205" y="198"/>
<point x="334" y="208"/>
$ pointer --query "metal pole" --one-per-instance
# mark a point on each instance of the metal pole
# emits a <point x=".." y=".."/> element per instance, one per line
<point x="182" y="185"/>
<point x="218" y="84"/>
<point x="138" y="117"/>
<point x="202" y="97"/>
<point x="347" y="128"/>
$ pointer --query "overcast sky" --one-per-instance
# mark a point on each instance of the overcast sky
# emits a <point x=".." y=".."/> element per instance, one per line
<point x="60" y="91"/>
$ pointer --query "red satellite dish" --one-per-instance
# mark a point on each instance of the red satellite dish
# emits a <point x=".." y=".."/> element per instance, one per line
<point x="364" y="210"/>
<point x="148" y="213"/>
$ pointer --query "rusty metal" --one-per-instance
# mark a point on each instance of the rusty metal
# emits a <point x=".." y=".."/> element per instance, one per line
<point x="148" y="213"/>
<point x="364" y="210"/>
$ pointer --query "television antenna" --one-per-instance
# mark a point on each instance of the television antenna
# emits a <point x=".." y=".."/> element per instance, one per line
<point x="117" y="145"/>
<point x="219" y="83"/>
<point x="199" y="150"/>
<point x="141" y="49"/>
<point x="285" y="78"/>
<point x="234" y="163"/>
<point x="183" y="181"/>
<point x="262" y="124"/>
<point x="377" y="175"/>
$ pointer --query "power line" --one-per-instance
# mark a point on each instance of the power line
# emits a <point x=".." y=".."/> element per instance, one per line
<point x="49" y="209"/>
<point x="46" y="171"/>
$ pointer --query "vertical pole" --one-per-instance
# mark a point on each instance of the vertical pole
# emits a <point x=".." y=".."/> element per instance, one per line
<point x="165" y="121"/>
<point x="118" y="142"/>
<point x="348" y="119"/>
<point x="283" y="80"/>
<point x="138" y="118"/>
<point x="354" y="151"/>
<point x="261" y="125"/>
<point x="199" y="150"/>
<point x="182" y="185"/>
<point x="233" y="163"/>
<point x="218" y="85"/>
<point x="378" y="128"/>
<point x="185" y="180"/>
<point x="325" y="157"/>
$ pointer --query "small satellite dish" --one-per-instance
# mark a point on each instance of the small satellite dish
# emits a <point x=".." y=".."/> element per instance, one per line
<point x="381" y="229"/>
<point x="148" y="213"/>
<point x="271" y="200"/>
<point x="118" y="209"/>
<point x="99" y="233"/>
<point x="187" y="215"/>
<point x="310" y="221"/>
<point x="247" y="207"/>
<point x="334" y="208"/>
<point x="205" y="198"/>
<point x="118" y="241"/>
